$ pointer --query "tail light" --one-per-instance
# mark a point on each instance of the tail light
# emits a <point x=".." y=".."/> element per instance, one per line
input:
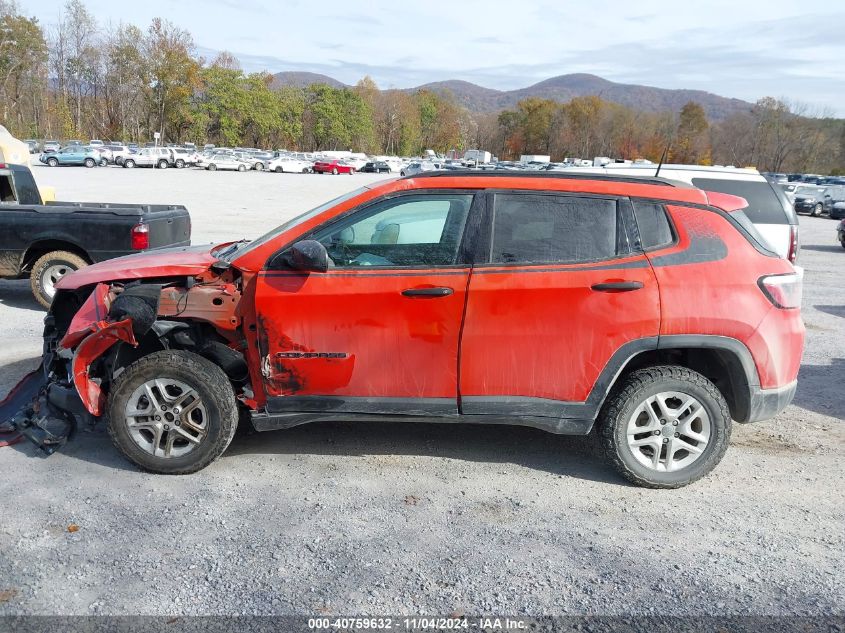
<point x="794" y="246"/>
<point x="140" y="237"/>
<point x="784" y="291"/>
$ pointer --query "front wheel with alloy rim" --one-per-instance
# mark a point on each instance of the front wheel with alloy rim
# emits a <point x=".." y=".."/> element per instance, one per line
<point x="180" y="164"/>
<point x="48" y="269"/>
<point x="129" y="163"/>
<point x="241" y="167"/>
<point x="172" y="412"/>
<point x="817" y="210"/>
<point x="89" y="163"/>
<point x="53" y="162"/>
<point x="278" y="169"/>
<point x="665" y="427"/>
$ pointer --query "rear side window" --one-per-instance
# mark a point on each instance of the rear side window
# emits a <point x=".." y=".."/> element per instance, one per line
<point x="764" y="205"/>
<point x="532" y="228"/>
<point x="653" y="224"/>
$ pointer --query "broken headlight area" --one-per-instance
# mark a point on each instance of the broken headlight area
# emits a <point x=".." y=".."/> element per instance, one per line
<point x="78" y="334"/>
<point x="92" y="334"/>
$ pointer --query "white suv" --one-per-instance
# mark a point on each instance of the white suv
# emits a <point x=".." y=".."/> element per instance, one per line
<point x="161" y="157"/>
<point x="768" y="208"/>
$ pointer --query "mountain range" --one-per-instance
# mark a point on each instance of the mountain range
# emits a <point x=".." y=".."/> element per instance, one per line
<point x="562" y="88"/>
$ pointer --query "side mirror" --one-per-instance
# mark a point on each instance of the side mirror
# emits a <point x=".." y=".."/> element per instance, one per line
<point x="306" y="255"/>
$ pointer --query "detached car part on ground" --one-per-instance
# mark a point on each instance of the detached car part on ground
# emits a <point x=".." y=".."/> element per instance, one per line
<point x="47" y="241"/>
<point x="649" y="311"/>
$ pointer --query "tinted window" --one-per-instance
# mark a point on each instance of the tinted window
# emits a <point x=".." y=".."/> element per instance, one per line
<point x="653" y="224"/>
<point x="764" y="206"/>
<point x="547" y="228"/>
<point x="414" y="230"/>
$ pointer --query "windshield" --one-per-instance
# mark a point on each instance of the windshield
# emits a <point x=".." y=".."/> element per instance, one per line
<point x="246" y="247"/>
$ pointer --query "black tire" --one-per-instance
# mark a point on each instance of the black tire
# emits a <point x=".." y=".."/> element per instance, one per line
<point x="38" y="280"/>
<point x="817" y="210"/>
<point x="214" y="391"/>
<point x="212" y="167"/>
<point x="89" y="163"/>
<point x="180" y="164"/>
<point x="241" y="167"/>
<point x="128" y="163"/>
<point x="352" y="172"/>
<point x="258" y="167"/>
<point x="305" y="170"/>
<point x="162" y="164"/>
<point x="334" y="171"/>
<point x="631" y="393"/>
<point x="279" y="169"/>
<point x="104" y="163"/>
<point x="53" y="162"/>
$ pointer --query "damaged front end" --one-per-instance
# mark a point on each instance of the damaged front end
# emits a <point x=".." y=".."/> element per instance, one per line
<point x="91" y="334"/>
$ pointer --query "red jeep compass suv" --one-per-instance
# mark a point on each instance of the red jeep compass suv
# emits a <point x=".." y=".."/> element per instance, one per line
<point x="648" y="309"/>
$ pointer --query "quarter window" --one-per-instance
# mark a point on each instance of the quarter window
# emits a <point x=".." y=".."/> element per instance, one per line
<point x="653" y="224"/>
<point x="413" y="230"/>
<point x="555" y="229"/>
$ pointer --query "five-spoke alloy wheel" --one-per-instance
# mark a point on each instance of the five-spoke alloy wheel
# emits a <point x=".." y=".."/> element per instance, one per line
<point x="665" y="426"/>
<point x="172" y="412"/>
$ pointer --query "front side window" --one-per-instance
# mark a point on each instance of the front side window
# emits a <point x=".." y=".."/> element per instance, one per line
<point x="413" y="230"/>
<point x="536" y="229"/>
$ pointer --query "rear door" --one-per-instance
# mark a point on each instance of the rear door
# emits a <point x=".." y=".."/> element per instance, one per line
<point x="378" y="332"/>
<point x="563" y="297"/>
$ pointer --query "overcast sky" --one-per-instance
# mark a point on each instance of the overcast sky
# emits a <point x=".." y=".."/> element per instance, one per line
<point x="736" y="48"/>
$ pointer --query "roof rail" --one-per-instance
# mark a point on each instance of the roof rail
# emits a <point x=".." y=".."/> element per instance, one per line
<point x="471" y="173"/>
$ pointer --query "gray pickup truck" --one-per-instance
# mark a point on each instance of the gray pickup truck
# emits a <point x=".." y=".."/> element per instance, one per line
<point x="46" y="241"/>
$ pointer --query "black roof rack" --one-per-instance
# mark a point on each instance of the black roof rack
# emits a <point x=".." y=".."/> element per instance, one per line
<point x="497" y="173"/>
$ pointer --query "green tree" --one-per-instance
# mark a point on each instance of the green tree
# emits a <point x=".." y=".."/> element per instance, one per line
<point x="172" y="76"/>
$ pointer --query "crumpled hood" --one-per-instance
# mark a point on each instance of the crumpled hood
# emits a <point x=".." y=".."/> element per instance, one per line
<point x="166" y="262"/>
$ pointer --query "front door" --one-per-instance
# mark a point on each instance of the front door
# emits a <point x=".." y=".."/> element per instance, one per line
<point x="563" y="298"/>
<point x="378" y="332"/>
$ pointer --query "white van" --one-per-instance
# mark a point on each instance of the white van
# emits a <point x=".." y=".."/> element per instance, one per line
<point x="768" y="208"/>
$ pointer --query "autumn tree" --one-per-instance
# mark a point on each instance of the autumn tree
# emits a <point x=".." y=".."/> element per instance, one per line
<point x="692" y="143"/>
<point x="172" y="75"/>
<point x="23" y="56"/>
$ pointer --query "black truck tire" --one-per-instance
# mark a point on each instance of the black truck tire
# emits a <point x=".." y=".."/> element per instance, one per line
<point x="216" y="413"/>
<point x="48" y="269"/>
<point x="642" y="431"/>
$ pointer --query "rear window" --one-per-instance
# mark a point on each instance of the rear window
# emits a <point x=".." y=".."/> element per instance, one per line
<point x="764" y="205"/>
<point x="532" y="228"/>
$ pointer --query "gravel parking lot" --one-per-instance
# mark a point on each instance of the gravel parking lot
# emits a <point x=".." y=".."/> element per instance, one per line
<point x="413" y="518"/>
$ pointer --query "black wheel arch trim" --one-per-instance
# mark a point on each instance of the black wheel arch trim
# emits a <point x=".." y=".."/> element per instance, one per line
<point x="589" y="409"/>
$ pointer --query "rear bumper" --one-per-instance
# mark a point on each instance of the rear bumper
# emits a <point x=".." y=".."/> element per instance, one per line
<point x="767" y="403"/>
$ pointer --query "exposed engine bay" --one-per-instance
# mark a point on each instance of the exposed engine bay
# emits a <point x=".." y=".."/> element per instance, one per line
<point x="92" y="333"/>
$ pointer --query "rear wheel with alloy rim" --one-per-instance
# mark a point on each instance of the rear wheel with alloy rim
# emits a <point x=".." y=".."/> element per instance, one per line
<point x="665" y="427"/>
<point x="162" y="164"/>
<point x="172" y="412"/>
